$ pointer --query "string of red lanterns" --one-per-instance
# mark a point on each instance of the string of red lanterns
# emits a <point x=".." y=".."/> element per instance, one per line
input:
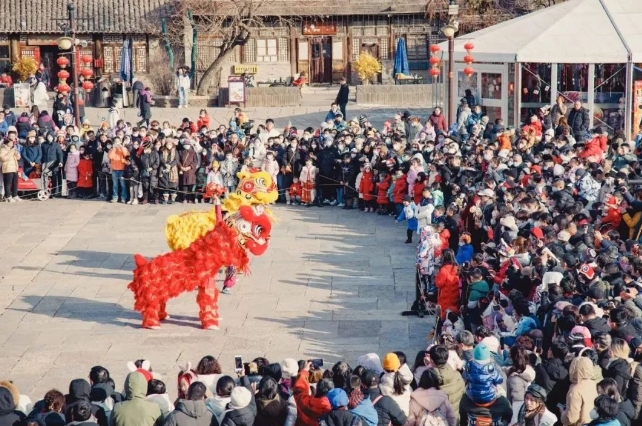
<point x="63" y="75"/>
<point x="469" y="59"/>
<point x="434" y="61"/>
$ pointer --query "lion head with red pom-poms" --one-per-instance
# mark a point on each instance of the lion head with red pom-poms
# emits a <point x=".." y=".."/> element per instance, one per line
<point x="253" y="226"/>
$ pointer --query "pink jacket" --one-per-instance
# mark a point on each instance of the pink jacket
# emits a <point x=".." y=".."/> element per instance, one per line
<point x="71" y="166"/>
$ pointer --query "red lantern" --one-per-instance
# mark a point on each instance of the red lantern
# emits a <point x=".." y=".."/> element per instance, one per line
<point x="469" y="71"/>
<point x="434" y="48"/>
<point x="469" y="46"/>
<point x="62" y="62"/>
<point x="85" y="59"/>
<point x="63" y="75"/>
<point x="63" y="88"/>
<point x="434" y="60"/>
<point x="87" y="85"/>
<point x="434" y="72"/>
<point x="469" y="59"/>
<point x="86" y="72"/>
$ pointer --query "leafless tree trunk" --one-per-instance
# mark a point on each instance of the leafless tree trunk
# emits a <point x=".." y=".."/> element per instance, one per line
<point x="212" y="76"/>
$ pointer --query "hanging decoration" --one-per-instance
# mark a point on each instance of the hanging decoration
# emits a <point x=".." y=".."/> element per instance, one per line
<point x="434" y="61"/>
<point x="469" y="59"/>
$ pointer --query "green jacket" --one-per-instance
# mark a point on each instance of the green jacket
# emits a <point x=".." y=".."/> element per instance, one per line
<point x="453" y="385"/>
<point x="136" y="410"/>
<point x="478" y="290"/>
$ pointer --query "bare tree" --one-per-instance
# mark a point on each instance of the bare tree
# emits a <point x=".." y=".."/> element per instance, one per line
<point x="232" y="22"/>
<point x="478" y="14"/>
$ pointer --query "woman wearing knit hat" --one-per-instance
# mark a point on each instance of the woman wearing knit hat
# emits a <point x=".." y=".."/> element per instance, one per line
<point x="242" y="408"/>
<point x="395" y="382"/>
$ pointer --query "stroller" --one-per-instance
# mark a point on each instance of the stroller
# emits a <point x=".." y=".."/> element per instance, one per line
<point x="38" y="183"/>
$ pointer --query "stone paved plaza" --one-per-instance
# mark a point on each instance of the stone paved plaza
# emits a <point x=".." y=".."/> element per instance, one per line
<point x="331" y="285"/>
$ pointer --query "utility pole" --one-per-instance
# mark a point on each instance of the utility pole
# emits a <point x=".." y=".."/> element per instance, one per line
<point x="71" y="15"/>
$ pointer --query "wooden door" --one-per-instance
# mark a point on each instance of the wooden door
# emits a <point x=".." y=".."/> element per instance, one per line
<point x="321" y="60"/>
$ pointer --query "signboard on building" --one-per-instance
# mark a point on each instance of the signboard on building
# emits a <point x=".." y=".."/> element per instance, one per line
<point x="236" y="90"/>
<point x="250" y="69"/>
<point x="22" y="95"/>
<point x="320" y="28"/>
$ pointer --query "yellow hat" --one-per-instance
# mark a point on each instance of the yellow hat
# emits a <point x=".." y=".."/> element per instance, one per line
<point x="214" y="163"/>
<point x="391" y="362"/>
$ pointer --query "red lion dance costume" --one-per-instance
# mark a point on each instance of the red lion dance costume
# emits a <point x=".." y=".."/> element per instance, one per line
<point x="203" y="243"/>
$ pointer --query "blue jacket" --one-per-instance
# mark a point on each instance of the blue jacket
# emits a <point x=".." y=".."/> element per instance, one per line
<point x="32" y="154"/>
<point x="3" y="127"/>
<point x="481" y="380"/>
<point x="413" y="224"/>
<point x="464" y="254"/>
<point x="367" y="412"/>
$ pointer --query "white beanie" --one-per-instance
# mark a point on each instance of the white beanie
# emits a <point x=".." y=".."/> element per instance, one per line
<point x="558" y="170"/>
<point x="290" y="368"/>
<point x="240" y="398"/>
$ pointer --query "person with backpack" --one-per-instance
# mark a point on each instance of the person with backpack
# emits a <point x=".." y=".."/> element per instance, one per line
<point x="429" y="405"/>
<point x="340" y="415"/>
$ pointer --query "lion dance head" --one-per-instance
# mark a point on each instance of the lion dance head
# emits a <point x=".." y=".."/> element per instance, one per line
<point x="253" y="227"/>
<point x="255" y="187"/>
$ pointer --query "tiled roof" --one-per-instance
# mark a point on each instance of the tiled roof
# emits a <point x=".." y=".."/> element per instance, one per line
<point x="139" y="16"/>
<point x="104" y="16"/>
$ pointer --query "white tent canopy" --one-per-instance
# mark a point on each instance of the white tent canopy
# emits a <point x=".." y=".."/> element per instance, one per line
<point x="576" y="31"/>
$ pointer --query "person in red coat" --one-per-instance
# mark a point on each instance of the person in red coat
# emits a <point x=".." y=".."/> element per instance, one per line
<point x="447" y="282"/>
<point x="367" y="188"/>
<point x="382" y="192"/>
<point x="399" y="190"/>
<point x="85" y="176"/>
<point x="203" y="120"/>
<point x="418" y="189"/>
<point x="309" y="408"/>
<point x="438" y="121"/>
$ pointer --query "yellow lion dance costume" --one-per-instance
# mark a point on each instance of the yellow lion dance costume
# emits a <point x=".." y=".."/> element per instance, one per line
<point x="255" y="187"/>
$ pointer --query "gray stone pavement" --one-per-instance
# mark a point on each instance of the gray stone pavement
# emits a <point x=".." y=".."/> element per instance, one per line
<point x="331" y="285"/>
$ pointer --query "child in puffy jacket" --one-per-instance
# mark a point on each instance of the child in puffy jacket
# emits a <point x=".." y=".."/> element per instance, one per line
<point x="482" y="376"/>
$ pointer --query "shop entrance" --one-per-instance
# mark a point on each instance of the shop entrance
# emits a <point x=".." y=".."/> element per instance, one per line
<point x="321" y="60"/>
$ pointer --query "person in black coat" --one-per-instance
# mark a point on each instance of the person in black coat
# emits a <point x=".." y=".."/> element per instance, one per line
<point x="388" y="411"/>
<point x="9" y="416"/>
<point x="620" y="326"/>
<point x="339" y="416"/>
<point x="348" y="177"/>
<point x="272" y="408"/>
<point x="578" y="121"/>
<point x="52" y="160"/>
<point x="79" y="390"/>
<point x="327" y="159"/>
<point x="552" y="375"/>
<point x="593" y="323"/>
<point x="342" y="97"/>
<point x="242" y="406"/>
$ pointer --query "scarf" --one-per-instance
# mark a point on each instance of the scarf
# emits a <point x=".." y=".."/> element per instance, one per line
<point x="530" y="417"/>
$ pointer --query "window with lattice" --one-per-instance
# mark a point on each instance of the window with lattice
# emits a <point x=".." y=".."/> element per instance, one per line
<point x="108" y="59"/>
<point x="383" y="50"/>
<point x="356" y="48"/>
<point x="266" y="50"/>
<point x="140" y="58"/>
<point x="250" y="51"/>
<point x="417" y="47"/>
<point x="284" y="49"/>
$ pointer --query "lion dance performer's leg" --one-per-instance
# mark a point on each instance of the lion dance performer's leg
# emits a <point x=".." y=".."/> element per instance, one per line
<point x="207" y="300"/>
<point x="230" y="278"/>
<point x="162" y="313"/>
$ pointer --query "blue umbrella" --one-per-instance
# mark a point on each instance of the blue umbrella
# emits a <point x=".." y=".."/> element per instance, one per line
<point x="126" y="65"/>
<point x="401" y="58"/>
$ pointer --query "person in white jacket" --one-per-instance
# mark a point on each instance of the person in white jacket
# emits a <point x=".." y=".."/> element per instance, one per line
<point x="183" y="85"/>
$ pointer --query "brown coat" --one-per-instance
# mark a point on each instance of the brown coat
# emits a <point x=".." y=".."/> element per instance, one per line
<point x="187" y="161"/>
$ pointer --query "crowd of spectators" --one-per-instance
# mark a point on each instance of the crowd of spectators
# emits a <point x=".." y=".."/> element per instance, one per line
<point x="529" y="249"/>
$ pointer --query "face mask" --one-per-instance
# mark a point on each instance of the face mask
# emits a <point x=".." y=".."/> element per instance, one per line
<point x="341" y="147"/>
<point x="187" y="147"/>
<point x="440" y="139"/>
<point x="430" y="148"/>
<point x="488" y="157"/>
<point x="328" y="144"/>
<point x="108" y="146"/>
